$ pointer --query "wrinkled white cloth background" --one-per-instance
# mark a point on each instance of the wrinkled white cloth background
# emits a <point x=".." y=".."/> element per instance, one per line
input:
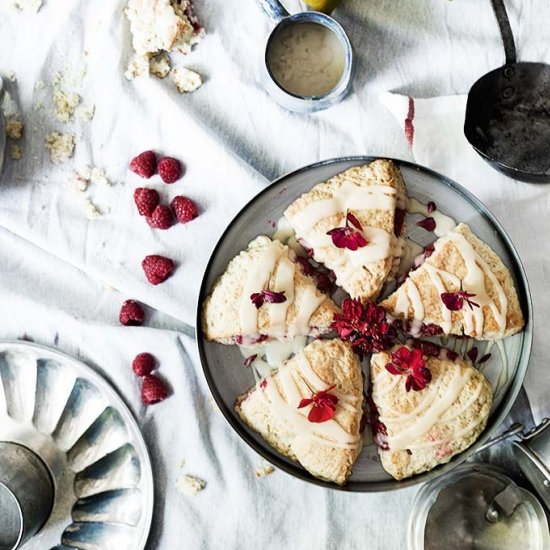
<point x="58" y="270"/>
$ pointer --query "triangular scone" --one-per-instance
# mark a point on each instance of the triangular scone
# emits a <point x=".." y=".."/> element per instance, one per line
<point x="371" y="192"/>
<point x="427" y="427"/>
<point x="229" y="315"/>
<point x="327" y="450"/>
<point x="460" y="258"/>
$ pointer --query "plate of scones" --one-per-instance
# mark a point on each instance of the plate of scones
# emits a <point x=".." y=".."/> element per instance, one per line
<point x="364" y="324"/>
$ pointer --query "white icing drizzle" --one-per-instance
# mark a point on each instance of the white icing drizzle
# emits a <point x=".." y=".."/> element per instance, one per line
<point x="348" y="197"/>
<point x="432" y="415"/>
<point x="477" y="270"/>
<point x="282" y="281"/>
<point x="309" y="302"/>
<point x="443" y="224"/>
<point x="285" y="406"/>
<point x="256" y="280"/>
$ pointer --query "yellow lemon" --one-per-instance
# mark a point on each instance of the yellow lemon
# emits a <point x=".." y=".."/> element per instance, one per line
<point x="326" y="6"/>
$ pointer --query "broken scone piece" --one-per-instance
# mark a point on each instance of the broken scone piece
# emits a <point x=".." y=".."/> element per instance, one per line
<point x="160" y="26"/>
<point x="463" y="287"/>
<point x="442" y="415"/>
<point x="264" y="294"/>
<point x="310" y="409"/>
<point x="352" y="222"/>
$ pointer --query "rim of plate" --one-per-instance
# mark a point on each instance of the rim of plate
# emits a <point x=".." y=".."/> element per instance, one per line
<point x="105" y="386"/>
<point x="495" y="419"/>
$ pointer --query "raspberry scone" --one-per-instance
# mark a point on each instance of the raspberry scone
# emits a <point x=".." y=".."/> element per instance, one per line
<point x="463" y="287"/>
<point x="310" y="409"/>
<point x="264" y="294"/>
<point x="352" y="224"/>
<point x="425" y="410"/>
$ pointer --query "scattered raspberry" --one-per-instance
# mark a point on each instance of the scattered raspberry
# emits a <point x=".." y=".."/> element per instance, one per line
<point x="146" y="200"/>
<point x="162" y="218"/>
<point x="153" y="390"/>
<point x="157" y="268"/>
<point x="184" y="208"/>
<point x="131" y="314"/>
<point x="169" y="169"/>
<point x="145" y="164"/>
<point x="144" y="364"/>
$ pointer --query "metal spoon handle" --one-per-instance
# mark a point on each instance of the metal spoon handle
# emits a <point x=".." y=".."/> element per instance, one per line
<point x="505" y="31"/>
<point x="514" y="429"/>
<point x="273" y="9"/>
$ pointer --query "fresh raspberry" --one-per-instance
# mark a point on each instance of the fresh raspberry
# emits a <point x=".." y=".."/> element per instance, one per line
<point x="169" y="169"/>
<point x="131" y="314"/>
<point x="145" y="164"/>
<point x="184" y="208"/>
<point x="153" y="390"/>
<point x="146" y="200"/>
<point x="162" y="218"/>
<point x="157" y="268"/>
<point x="143" y="364"/>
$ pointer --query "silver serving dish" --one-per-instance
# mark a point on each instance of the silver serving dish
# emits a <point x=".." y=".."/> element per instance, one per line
<point x="81" y="430"/>
<point x="223" y="365"/>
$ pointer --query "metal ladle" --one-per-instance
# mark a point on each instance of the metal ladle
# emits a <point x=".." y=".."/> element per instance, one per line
<point x="508" y="113"/>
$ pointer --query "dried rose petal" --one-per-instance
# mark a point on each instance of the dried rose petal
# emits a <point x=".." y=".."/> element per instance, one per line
<point x="472" y="354"/>
<point x="455" y="300"/>
<point x="431" y="207"/>
<point x="398" y="221"/>
<point x="307" y="268"/>
<point x="250" y="359"/>
<point x="379" y="430"/>
<point x="263" y="383"/>
<point x="429" y="250"/>
<point x="346" y="237"/>
<point x="412" y="363"/>
<point x="427" y="223"/>
<point x="267" y="296"/>
<point x="323" y="405"/>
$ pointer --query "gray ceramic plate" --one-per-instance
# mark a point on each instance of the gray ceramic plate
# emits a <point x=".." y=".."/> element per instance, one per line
<point x="84" y="433"/>
<point x="223" y="365"/>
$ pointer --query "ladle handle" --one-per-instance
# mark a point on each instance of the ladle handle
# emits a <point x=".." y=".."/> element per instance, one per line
<point x="273" y="9"/>
<point x="505" y="31"/>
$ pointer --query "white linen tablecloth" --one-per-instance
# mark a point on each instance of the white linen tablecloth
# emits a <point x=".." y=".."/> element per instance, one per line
<point x="59" y="270"/>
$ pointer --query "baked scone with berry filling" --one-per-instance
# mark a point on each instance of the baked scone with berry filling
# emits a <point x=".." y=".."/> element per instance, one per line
<point x="352" y="224"/>
<point x="264" y="294"/>
<point x="310" y="409"/>
<point x="426" y="410"/>
<point x="463" y="287"/>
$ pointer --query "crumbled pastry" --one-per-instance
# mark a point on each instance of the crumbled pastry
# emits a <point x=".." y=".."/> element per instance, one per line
<point x="65" y="104"/>
<point x="138" y="66"/>
<point x="159" y="66"/>
<point x="186" y="80"/>
<point x="264" y="471"/>
<point x="87" y="175"/>
<point x="92" y="212"/>
<point x="60" y="146"/>
<point x="86" y="112"/>
<point x="15" y="152"/>
<point x="27" y="5"/>
<point x="14" y="127"/>
<point x="190" y="485"/>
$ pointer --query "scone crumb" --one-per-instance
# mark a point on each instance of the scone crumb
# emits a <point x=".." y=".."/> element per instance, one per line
<point x="186" y="80"/>
<point x="65" y="104"/>
<point x="264" y="471"/>
<point x="14" y="127"/>
<point x="60" y="146"/>
<point x="92" y="212"/>
<point x="138" y="66"/>
<point x="190" y="485"/>
<point x="15" y="152"/>
<point x="159" y="66"/>
<point x="83" y="177"/>
<point x="86" y="112"/>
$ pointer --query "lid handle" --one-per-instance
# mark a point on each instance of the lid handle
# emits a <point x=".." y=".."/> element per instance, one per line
<point x="505" y="31"/>
<point x="504" y="504"/>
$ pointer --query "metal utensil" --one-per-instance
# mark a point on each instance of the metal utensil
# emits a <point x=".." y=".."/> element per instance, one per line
<point x="299" y="103"/>
<point x="223" y="365"/>
<point x="26" y="495"/>
<point x="2" y="127"/>
<point x="64" y="415"/>
<point x="508" y="113"/>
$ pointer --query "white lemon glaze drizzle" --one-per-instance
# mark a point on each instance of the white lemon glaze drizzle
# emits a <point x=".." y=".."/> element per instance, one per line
<point x="282" y="281"/>
<point x="286" y="407"/>
<point x="406" y="438"/>
<point x="443" y="224"/>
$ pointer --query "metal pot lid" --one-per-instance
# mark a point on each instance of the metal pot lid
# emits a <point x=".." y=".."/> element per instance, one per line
<point x="477" y="506"/>
<point x="534" y="469"/>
